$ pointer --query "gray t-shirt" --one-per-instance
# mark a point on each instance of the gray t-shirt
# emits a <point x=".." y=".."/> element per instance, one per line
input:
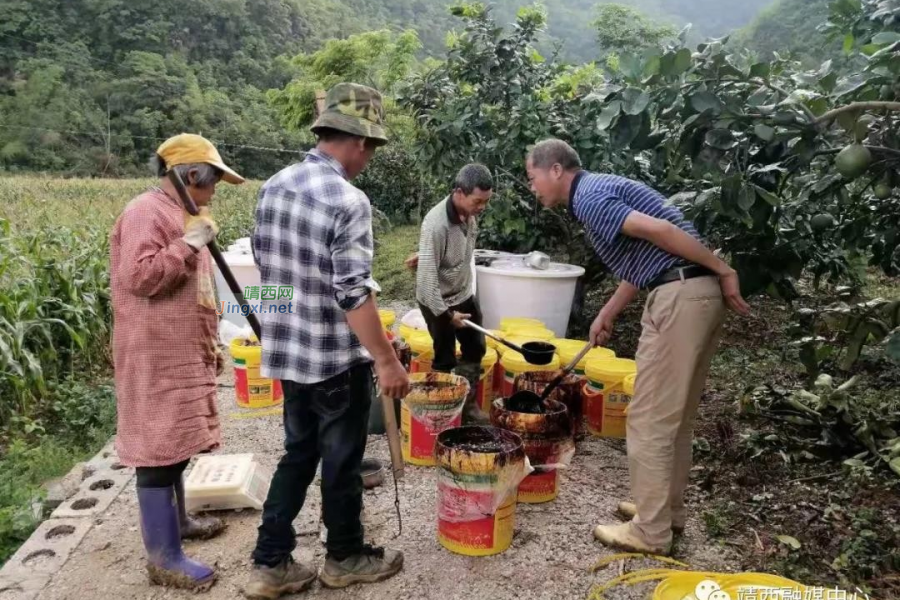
<point x="446" y="248"/>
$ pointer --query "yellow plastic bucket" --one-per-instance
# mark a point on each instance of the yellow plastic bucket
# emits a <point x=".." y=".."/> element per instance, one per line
<point x="472" y="476"/>
<point x="569" y="349"/>
<point x="546" y="437"/>
<point x="251" y="389"/>
<point x="514" y="364"/>
<point x="387" y="317"/>
<point x="628" y="384"/>
<point x="433" y="405"/>
<point x="605" y="401"/>
<point x="508" y="323"/>
<point x="406" y="332"/>
<point x="422" y="347"/>
<point x="485" y="393"/>
<point x="497" y="377"/>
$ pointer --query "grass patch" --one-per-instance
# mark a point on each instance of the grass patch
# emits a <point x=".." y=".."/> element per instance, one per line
<point x="398" y="284"/>
<point x="81" y="419"/>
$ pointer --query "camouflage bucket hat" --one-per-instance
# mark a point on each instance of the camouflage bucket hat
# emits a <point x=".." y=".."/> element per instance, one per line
<point x="354" y="109"/>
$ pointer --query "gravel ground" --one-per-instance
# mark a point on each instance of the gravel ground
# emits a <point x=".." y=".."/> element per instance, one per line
<point x="550" y="558"/>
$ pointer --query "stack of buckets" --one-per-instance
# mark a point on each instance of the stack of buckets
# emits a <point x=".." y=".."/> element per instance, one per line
<point x="473" y="475"/>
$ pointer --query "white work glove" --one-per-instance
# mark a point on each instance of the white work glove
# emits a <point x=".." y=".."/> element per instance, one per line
<point x="220" y="361"/>
<point x="200" y="230"/>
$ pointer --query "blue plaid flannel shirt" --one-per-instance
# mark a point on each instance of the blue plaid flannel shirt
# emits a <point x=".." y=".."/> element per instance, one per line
<point x="314" y="233"/>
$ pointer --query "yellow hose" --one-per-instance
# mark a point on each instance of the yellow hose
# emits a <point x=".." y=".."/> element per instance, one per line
<point x="680" y="585"/>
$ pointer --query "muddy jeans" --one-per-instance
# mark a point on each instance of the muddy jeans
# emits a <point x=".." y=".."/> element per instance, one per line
<point x="325" y="421"/>
<point x="681" y="325"/>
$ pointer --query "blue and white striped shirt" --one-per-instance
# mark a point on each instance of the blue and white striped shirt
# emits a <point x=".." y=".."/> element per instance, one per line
<point x="602" y="203"/>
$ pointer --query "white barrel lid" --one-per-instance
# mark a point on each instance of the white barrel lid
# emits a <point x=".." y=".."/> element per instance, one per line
<point x="238" y="259"/>
<point x="517" y="268"/>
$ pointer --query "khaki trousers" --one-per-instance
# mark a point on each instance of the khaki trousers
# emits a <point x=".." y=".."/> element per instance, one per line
<point x="681" y="325"/>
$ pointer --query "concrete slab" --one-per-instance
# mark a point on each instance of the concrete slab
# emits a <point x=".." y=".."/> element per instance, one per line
<point x="43" y="555"/>
<point x="95" y="494"/>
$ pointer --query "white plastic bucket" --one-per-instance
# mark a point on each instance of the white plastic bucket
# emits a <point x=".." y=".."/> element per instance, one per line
<point x="246" y="273"/>
<point x="510" y="288"/>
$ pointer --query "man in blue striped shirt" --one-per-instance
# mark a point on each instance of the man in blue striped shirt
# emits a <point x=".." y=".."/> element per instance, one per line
<point x="648" y="245"/>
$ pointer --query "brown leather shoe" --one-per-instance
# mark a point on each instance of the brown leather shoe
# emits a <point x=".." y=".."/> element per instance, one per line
<point x="622" y="536"/>
<point x="629" y="511"/>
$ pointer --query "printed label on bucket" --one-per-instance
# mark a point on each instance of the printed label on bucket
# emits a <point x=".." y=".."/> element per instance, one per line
<point x="539" y="487"/>
<point x="418" y="438"/>
<point x="256" y="392"/>
<point x="491" y="534"/>
<point x="614" y="407"/>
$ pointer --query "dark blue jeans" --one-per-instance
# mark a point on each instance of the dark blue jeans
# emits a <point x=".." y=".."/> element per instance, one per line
<point x="325" y="421"/>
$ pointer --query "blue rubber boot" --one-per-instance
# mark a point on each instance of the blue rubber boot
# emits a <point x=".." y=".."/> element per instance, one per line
<point x="166" y="563"/>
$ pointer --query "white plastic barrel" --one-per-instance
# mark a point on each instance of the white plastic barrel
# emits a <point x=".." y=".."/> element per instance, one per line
<point x="510" y="288"/>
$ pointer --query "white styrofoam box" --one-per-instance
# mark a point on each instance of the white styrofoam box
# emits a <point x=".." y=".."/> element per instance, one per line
<point x="510" y="288"/>
<point x="226" y="482"/>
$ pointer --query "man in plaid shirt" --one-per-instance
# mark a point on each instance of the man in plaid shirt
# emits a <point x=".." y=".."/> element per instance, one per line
<point x="314" y="233"/>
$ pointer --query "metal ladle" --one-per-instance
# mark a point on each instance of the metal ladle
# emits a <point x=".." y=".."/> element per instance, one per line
<point x="536" y="353"/>
<point x="528" y="402"/>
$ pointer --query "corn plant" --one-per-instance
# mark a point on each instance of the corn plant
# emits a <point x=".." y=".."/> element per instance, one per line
<point x="54" y="314"/>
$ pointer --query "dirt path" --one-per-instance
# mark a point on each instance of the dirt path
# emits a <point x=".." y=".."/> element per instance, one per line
<point x="551" y="555"/>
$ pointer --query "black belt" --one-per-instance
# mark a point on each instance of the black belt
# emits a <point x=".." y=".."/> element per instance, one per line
<point x="679" y="274"/>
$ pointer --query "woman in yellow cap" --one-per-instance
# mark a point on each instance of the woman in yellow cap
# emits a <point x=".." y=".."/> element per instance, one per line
<point x="165" y="350"/>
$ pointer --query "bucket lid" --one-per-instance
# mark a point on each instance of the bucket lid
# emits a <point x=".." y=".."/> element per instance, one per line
<point x="628" y="384"/>
<point x="508" y="323"/>
<point x="519" y="340"/>
<point x="516" y="363"/>
<point x="492" y="343"/>
<point x="516" y="267"/>
<point x="532" y="332"/>
<point x="569" y="349"/>
<point x="610" y="369"/>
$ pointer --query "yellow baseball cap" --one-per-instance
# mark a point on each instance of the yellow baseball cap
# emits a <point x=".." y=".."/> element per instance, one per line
<point x="189" y="148"/>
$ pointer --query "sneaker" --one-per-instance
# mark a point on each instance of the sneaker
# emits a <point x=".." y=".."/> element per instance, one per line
<point x="268" y="583"/>
<point x="369" y="566"/>
<point x="622" y="536"/>
<point x="629" y="511"/>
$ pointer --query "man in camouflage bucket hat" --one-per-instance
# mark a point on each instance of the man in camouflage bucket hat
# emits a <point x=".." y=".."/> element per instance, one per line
<point x="314" y="234"/>
<point x="354" y="109"/>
